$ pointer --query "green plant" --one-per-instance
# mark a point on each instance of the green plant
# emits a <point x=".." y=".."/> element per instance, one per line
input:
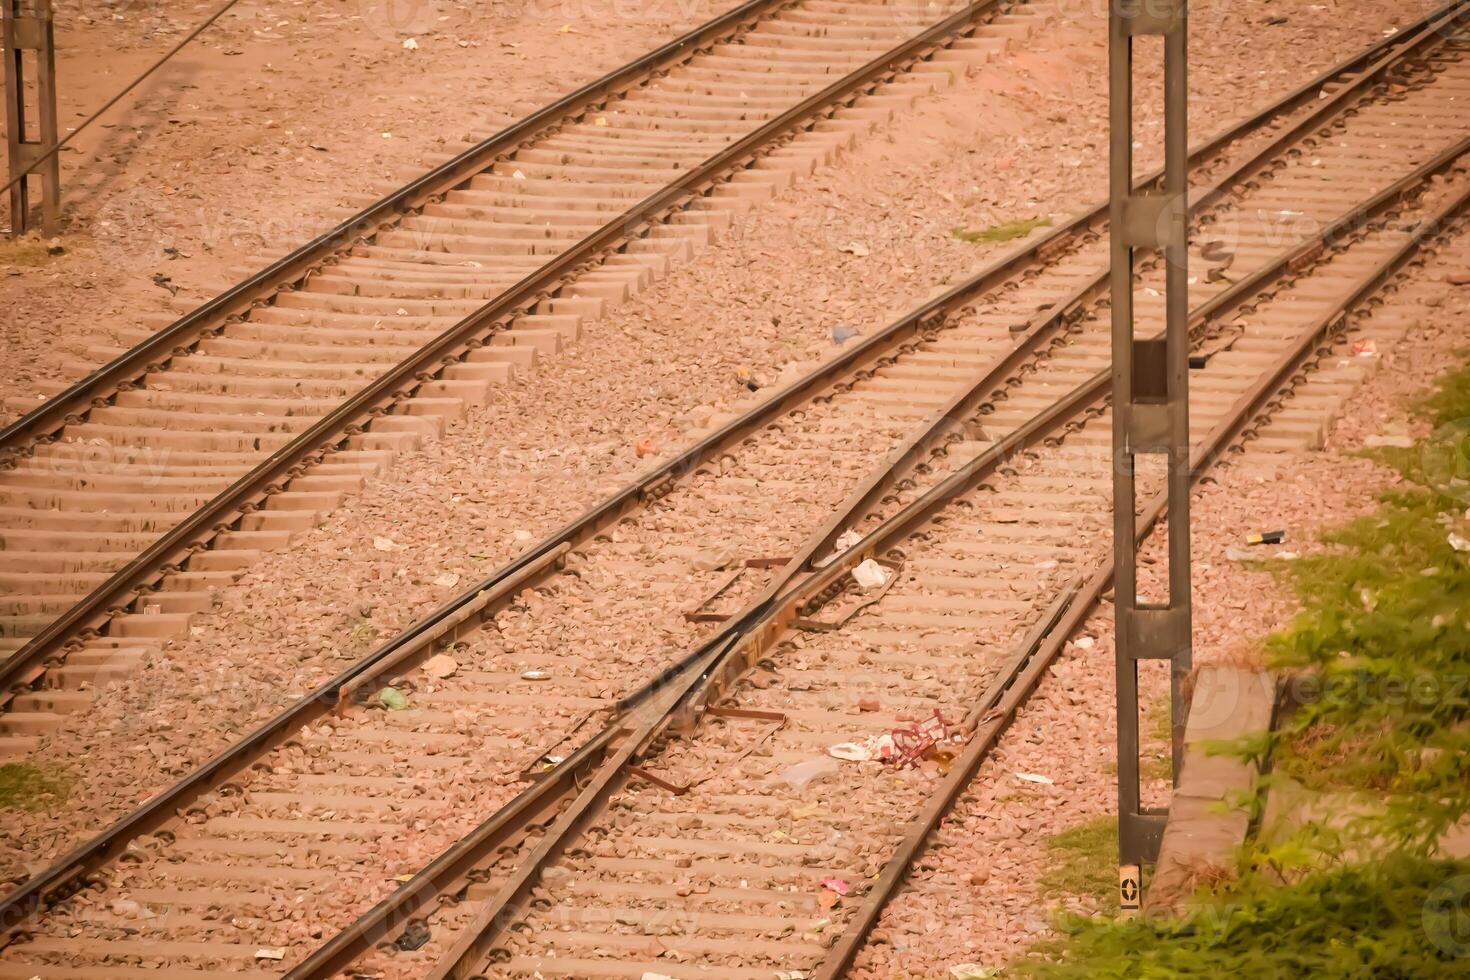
<point x="363" y="632"/>
<point x="1381" y="654"/>
<point x="1009" y="231"/>
<point x="23" y="253"/>
<point x="1083" y="861"/>
<point x="1391" y="920"/>
<point x="24" y="786"/>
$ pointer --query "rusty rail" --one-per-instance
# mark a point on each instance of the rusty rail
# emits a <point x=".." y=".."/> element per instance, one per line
<point x="1048" y="324"/>
<point x="50" y="417"/>
<point x="1011" y="691"/>
<point x="73" y="868"/>
<point x="379" y="922"/>
<point x="195" y="532"/>
<point x="1088" y="398"/>
<point x="411" y="645"/>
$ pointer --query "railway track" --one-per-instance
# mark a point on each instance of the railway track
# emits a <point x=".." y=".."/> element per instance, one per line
<point x="987" y="819"/>
<point x="127" y="497"/>
<point x="306" y="815"/>
<point x="706" y="854"/>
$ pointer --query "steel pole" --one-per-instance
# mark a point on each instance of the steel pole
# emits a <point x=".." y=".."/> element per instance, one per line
<point x="1150" y="402"/>
<point x="28" y="27"/>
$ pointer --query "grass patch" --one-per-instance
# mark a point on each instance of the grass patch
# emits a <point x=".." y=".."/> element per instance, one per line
<point x="1450" y="399"/>
<point x="1007" y="232"/>
<point x="23" y="253"/>
<point x="1154" y="767"/>
<point x="363" y="632"/>
<point x="1156" y="738"/>
<point x="24" y="786"/>
<point x="1083" y="861"/>
<point x="1158" y="723"/>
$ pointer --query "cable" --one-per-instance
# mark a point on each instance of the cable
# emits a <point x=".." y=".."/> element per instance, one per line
<point x="56" y="147"/>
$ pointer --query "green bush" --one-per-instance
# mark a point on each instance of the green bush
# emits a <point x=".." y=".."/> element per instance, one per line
<point x="1401" y="919"/>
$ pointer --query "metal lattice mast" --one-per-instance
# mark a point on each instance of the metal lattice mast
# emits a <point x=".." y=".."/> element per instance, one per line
<point x="28" y="28"/>
<point x="1150" y="401"/>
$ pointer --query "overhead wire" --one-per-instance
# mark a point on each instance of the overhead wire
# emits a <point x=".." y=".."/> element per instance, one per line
<point x="57" y="147"/>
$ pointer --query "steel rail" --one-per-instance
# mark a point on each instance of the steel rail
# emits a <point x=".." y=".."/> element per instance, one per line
<point x="543" y="803"/>
<point x="572" y="820"/>
<point x="460" y="613"/>
<point x="446" y="874"/>
<point x="1047" y="324"/>
<point x="464" y="611"/>
<point x="70" y="870"/>
<point x="289" y="269"/>
<point x="27" y="665"/>
<point x="1085" y="400"/>
<point x="1090" y="396"/>
<point x="194" y="533"/>
<point x="1011" y="691"/>
<point x="448" y="871"/>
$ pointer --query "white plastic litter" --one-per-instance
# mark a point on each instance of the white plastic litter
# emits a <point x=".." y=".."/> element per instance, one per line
<point x="1393" y="441"/>
<point x="869" y="575"/>
<point x="850" y="752"/>
<point x="879" y="747"/>
<point x="970" y="971"/>
<point x="844" y="541"/>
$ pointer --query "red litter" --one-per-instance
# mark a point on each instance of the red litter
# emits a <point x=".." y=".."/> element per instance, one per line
<point x="911" y="744"/>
